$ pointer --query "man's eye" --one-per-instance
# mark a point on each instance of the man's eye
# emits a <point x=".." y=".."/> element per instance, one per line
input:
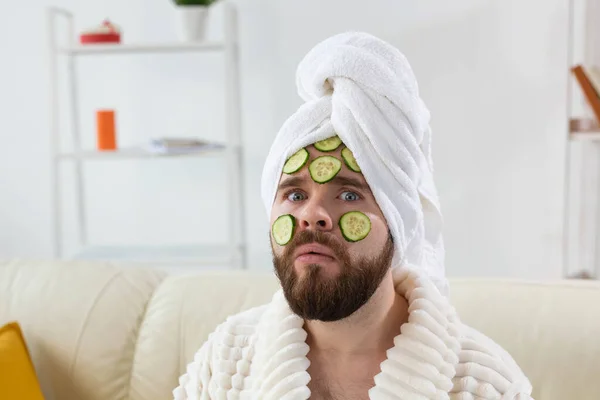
<point x="350" y="196"/>
<point x="295" y="196"/>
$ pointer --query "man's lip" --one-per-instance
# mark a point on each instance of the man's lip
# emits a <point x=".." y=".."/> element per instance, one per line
<point x="314" y="248"/>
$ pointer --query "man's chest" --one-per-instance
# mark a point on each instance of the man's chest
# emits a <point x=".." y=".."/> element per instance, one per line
<point x="348" y="380"/>
<point x="327" y="389"/>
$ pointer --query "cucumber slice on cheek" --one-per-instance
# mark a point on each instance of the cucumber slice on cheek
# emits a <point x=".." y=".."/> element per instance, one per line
<point x="355" y="226"/>
<point x="283" y="229"/>
<point x="324" y="168"/>
<point x="296" y="161"/>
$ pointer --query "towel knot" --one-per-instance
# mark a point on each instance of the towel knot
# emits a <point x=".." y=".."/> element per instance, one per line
<point x="358" y="58"/>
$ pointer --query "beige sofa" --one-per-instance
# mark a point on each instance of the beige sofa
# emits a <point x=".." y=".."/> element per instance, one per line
<point x="98" y="331"/>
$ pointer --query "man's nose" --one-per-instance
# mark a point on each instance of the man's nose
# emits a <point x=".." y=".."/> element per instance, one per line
<point x="315" y="216"/>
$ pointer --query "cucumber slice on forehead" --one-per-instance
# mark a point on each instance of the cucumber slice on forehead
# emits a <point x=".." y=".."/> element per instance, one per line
<point x="329" y="144"/>
<point x="324" y="168"/>
<point x="283" y="229"/>
<point x="296" y="161"/>
<point x="355" y="226"/>
<point x="349" y="160"/>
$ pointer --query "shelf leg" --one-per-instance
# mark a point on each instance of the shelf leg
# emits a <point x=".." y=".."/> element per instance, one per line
<point x="54" y="137"/>
<point x="233" y="131"/>
<point x="76" y="127"/>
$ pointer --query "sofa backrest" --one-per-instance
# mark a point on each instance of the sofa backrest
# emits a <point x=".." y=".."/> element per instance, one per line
<point x="106" y="332"/>
<point x="81" y="323"/>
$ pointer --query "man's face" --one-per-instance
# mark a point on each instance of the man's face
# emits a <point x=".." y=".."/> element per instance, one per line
<point x="323" y="275"/>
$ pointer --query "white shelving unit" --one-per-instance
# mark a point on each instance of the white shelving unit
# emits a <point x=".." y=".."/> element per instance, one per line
<point x="581" y="227"/>
<point x="582" y="185"/>
<point x="233" y="253"/>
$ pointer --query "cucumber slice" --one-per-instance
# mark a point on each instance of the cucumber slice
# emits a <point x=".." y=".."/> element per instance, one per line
<point x="296" y="161"/>
<point x="355" y="226"/>
<point x="329" y="144"/>
<point x="349" y="160"/>
<point x="283" y="229"/>
<point x="324" y="168"/>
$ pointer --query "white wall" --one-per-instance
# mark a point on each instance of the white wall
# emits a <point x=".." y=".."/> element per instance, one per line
<point x="493" y="74"/>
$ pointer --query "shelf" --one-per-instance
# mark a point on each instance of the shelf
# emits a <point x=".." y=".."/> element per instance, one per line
<point x="161" y="255"/>
<point x="136" y="153"/>
<point x="585" y="136"/>
<point x="126" y="48"/>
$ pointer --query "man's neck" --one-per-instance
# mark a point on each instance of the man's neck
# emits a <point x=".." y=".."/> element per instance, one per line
<point x="370" y="330"/>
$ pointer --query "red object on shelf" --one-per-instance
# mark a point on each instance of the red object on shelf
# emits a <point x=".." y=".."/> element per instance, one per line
<point x="100" y="38"/>
<point x="106" y="33"/>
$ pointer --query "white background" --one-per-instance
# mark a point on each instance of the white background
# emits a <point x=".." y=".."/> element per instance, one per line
<point x="493" y="73"/>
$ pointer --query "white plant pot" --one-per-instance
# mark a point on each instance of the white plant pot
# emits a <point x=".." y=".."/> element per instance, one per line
<point x="192" y="21"/>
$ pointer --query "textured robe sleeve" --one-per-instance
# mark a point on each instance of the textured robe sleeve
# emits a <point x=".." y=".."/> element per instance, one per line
<point x="194" y="383"/>
<point x="487" y="370"/>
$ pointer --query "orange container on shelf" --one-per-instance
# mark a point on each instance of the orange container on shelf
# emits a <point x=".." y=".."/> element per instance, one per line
<point x="106" y="132"/>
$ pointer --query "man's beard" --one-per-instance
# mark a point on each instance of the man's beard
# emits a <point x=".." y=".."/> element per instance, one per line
<point x="314" y="296"/>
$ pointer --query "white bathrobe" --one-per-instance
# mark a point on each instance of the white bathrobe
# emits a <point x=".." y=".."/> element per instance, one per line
<point x="260" y="354"/>
<point x="362" y="89"/>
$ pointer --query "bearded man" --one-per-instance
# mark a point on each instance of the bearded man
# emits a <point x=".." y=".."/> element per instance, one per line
<point x="363" y="310"/>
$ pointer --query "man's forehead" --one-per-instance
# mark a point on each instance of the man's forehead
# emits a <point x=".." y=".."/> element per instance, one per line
<point x="333" y="148"/>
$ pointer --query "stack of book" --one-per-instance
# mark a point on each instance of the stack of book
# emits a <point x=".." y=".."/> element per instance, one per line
<point x="588" y="78"/>
<point x="180" y="146"/>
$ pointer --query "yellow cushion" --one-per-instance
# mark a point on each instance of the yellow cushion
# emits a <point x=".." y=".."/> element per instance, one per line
<point x="18" y="379"/>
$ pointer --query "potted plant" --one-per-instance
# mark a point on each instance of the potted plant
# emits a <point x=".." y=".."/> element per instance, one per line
<point x="192" y="18"/>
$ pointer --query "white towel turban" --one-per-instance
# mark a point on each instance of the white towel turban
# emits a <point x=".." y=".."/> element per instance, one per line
<point x="363" y="89"/>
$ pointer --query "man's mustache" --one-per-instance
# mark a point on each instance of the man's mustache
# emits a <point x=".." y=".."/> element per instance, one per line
<point x="322" y="238"/>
